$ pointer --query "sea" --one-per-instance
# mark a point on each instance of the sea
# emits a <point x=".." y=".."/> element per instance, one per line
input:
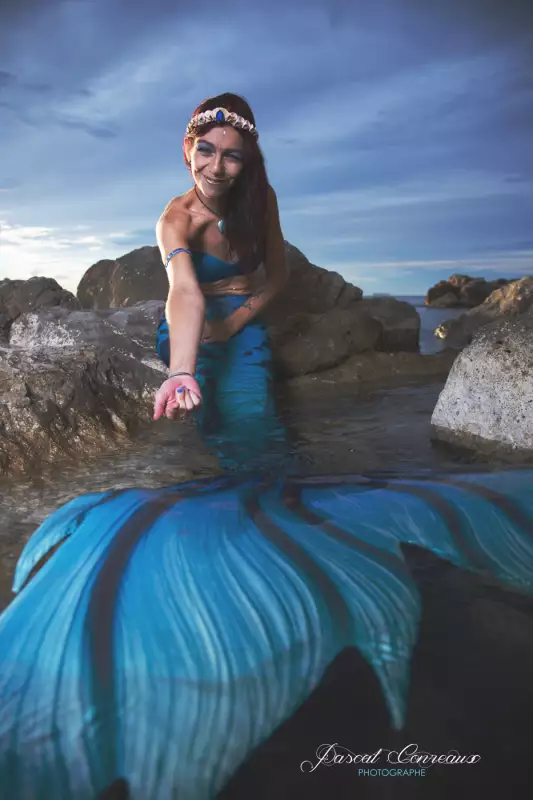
<point x="430" y="319"/>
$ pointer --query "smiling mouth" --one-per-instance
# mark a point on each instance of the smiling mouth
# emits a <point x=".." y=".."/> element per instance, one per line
<point x="213" y="181"/>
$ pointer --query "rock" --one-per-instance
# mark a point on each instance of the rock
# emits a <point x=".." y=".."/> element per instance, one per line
<point x="68" y="403"/>
<point x="462" y="290"/>
<point x="75" y="381"/>
<point x="476" y="292"/>
<point x="139" y="276"/>
<point x="487" y="401"/>
<point x="383" y="369"/>
<point x="313" y="342"/>
<point x="458" y="281"/>
<point x="135" y="277"/>
<point x="18" y="297"/>
<point x="510" y="300"/>
<point x="399" y="320"/>
<point x="311" y="289"/>
<point x="440" y="289"/>
<point x="60" y="329"/>
<point x="138" y="322"/>
<point x="448" y="300"/>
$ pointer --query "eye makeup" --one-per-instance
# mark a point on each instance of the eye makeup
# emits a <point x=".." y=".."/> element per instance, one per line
<point x="207" y="148"/>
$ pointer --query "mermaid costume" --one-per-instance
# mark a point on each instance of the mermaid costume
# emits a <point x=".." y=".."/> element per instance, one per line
<point x="174" y="629"/>
<point x="237" y="417"/>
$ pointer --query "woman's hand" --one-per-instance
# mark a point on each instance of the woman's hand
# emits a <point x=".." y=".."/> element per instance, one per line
<point x="181" y="393"/>
<point x="216" y="330"/>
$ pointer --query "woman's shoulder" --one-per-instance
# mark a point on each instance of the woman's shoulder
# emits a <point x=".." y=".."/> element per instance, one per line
<point x="177" y="212"/>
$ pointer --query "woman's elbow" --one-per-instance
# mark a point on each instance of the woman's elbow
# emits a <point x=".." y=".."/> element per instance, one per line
<point x="186" y="296"/>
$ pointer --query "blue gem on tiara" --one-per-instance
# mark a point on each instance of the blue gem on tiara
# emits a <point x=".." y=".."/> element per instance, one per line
<point x="220" y="116"/>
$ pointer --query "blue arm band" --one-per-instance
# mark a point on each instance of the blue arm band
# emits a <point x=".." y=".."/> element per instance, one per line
<point x="178" y="250"/>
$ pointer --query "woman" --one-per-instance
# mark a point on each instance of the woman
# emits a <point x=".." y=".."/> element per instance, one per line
<point x="214" y="240"/>
<point x="172" y="630"/>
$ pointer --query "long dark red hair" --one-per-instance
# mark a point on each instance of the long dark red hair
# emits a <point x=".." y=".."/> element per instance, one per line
<point x="245" y="218"/>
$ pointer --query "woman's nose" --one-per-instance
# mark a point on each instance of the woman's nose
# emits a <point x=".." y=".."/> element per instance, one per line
<point x="218" y="167"/>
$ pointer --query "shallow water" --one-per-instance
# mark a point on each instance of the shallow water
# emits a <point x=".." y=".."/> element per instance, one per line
<point x="430" y="319"/>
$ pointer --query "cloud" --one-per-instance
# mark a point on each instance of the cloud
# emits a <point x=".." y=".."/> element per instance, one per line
<point x="391" y="131"/>
<point x="504" y="262"/>
<point x="98" y="131"/>
<point x="6" y="79"/>
<point x="450" y="188"/>
<point x="41" y="238"/>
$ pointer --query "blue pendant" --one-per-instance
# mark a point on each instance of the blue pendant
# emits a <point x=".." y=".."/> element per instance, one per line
<point x="220" y="225"/>
<point x="220" y="116"/>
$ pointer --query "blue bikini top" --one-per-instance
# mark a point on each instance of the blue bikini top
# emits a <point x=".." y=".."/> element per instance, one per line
<point x="210" y="268"/>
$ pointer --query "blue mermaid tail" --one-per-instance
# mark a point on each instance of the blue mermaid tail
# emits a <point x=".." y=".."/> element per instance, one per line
<point x="174" y="629"/>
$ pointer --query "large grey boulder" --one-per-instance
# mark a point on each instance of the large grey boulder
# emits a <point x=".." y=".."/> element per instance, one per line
<point x="487" y="401"/>
<point x="72" y="382"/>
<point x="69" y="402"/>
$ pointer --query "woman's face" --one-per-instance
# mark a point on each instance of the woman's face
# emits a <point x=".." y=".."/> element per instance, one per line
<point x="217" y="159"/>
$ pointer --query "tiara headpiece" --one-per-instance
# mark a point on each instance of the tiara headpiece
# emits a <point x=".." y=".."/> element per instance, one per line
<point x="223" y="117"/>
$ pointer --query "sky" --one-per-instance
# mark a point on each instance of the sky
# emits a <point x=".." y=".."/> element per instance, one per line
<point x="397" y="133"/>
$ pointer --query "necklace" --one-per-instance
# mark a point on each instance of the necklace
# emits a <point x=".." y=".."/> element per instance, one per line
<point x="220" y="223"/>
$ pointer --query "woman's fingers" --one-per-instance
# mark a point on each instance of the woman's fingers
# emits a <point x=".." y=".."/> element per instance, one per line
<point x="196" y="400"/>
<point x="187" y="400"/>
<point x="161" y="398"/>
<point x="171" y="406"/>
<point x="189" y="405"/>
<point x="171" y="399"/>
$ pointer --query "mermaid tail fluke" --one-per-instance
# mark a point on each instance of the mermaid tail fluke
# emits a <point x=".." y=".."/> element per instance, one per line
<point x="173" y="630"/>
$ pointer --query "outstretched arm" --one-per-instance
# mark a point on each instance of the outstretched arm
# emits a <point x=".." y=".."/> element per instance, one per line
<point x="184" y="311"/>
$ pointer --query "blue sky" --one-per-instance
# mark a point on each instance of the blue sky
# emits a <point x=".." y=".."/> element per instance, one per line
<point x="397" y="133"/>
